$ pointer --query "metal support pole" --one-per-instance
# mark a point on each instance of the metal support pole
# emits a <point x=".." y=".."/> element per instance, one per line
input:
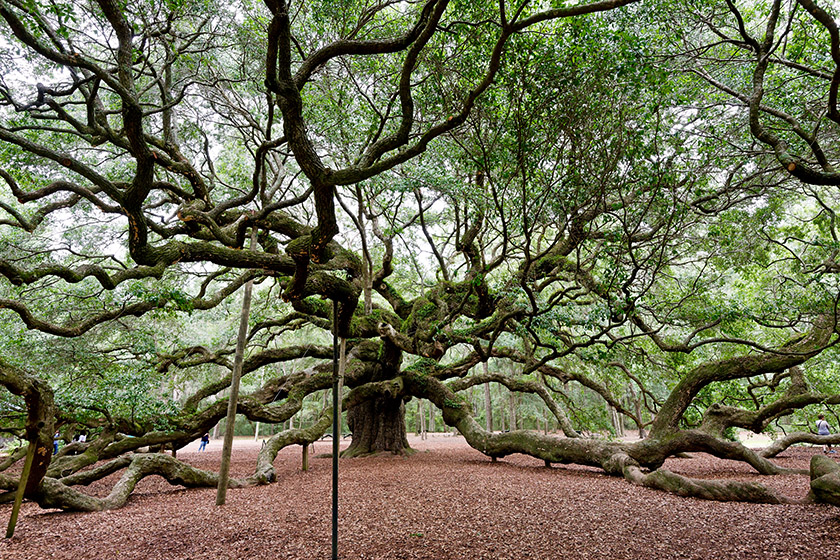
<point x="336" y="435"/>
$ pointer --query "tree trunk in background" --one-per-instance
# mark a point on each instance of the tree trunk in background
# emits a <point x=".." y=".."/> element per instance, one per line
<point x="488" y="405"/>
<point x="638" y="403"/>
<point x="424" y="428"/>
<point x="512" y="402"/>
<point x="488" y="408"/>
<point x="378" y="425"/>
<point x="503" y="417"/>
<point x="421" y="419"/>
<point x="637" y="406"/>
<point x="617" y="422"/>
<point x="217" y="429"/>
<point x="432" y="418"/>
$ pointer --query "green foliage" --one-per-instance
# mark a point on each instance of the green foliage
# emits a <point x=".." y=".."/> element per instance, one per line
<point x="159" y="296"/>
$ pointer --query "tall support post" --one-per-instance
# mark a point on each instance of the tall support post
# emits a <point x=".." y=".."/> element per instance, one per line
<point x="24" y="477"/>
<point x="236" y="374"/>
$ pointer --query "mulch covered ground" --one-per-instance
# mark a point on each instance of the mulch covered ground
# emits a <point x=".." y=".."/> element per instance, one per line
<point x="445" y="502"/>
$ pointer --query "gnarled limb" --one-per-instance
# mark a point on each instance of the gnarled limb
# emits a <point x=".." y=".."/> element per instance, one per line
<point x="40" y="417"/>
<point x="722" y="491"/>
<point x="13" y="458"/>
<point x="56" y="494"/>
<point x="86" y="477"/>
<point x="264" y="473"/>
<point x="825" y="480"/>
<point x="741" y="367"/>
<point x="457" y="413"/>
<point x="783" y="443"/>
<point x="90" y="454"/>
<point x="615" y="458"/>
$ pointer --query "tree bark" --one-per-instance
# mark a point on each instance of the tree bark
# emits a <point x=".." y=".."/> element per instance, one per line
<point x="421" y="412"/>
<point x="40" y="416"/>
<point x="512" y="403"/>
<point x="378" y="425"/>
<point x="616" y="419"/>
<point x="488" y="404"/>
<point x="825" y="480"/>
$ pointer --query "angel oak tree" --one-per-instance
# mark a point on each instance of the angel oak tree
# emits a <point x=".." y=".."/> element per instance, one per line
<point x="493" y="192"/>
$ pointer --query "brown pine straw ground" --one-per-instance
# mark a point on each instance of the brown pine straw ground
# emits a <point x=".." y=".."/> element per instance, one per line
<point x="445" y="502"/>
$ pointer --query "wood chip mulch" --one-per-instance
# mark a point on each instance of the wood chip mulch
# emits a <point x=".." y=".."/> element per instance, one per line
<point x="447" y="501"/>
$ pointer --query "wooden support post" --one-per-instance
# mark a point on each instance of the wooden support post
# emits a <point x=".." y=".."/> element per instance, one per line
<point x="235" y="375"/>
<point x="305" y="466"/>
<point x="24" y="476"/>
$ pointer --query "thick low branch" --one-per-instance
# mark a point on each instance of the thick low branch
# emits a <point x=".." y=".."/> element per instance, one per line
<point x="55" y="494"/>
<point x="620" y="459"/>
<point x="264" y="472"/>
<point x="825" y="480"/>
<point x="741" y="367"/>
<point x="718" y="490"/>
<point x="793" y="438"/>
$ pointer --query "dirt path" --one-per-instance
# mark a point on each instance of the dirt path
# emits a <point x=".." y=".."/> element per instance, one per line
<point x="445" y="502"/>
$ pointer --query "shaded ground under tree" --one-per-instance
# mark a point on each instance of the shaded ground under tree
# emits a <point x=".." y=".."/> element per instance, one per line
<point x="446" y="501"/>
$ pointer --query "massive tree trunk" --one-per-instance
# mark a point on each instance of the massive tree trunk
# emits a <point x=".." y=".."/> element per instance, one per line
<point x="378" y="425"/>
<point x="40" y="415"/>
<point x="377" y="417"/>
